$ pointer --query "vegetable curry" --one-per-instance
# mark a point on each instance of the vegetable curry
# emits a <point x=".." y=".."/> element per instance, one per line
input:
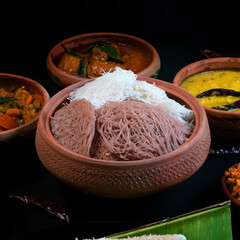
<point x="233" y="180"/>
<point x="18" y="106"/>
<point x="102" y="56"/>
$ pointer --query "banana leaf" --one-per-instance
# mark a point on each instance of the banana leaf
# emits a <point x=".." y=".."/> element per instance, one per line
<point x="213" y="222"/>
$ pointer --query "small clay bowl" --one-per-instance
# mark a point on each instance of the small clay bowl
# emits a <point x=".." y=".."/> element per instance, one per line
<point x="81" y="41"/>
<point x="226" y="191"/>
<point x="124" y="179"/>
<point x="26" y="130"/>
<point x="223" y="124"/>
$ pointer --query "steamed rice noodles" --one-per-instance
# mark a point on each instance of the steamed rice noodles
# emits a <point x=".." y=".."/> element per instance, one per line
<point x="135" y="122"/>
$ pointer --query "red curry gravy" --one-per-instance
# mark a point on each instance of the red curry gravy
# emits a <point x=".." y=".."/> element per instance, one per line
<point x="133" y="56"/>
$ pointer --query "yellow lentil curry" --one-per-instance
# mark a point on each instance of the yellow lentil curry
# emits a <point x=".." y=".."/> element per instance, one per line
<point x="18" y="106"/>
<point x="218" y="79"/>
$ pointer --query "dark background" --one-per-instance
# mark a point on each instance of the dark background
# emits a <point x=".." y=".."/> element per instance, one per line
<point x="178" y="30"/>
<point x="29" y="31"/>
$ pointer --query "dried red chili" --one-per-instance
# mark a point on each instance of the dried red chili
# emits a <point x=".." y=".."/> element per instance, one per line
<point x="229" y="107"/>
<point x="218" y="92"/>
<point x="210" y="54"/>
<point x="49" y="206"/>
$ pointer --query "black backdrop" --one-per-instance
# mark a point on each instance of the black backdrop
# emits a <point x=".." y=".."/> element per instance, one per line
<point x="35" y="27"/>
<point x="194" y="22"/>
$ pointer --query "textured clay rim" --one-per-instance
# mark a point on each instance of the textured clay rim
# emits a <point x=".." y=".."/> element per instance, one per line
<point x="200" y="122"/>
<point x="36" y="85"/>
<point x="227" y="60"/>
<point x="148" y="45"/>
<point x="226" y="191"/>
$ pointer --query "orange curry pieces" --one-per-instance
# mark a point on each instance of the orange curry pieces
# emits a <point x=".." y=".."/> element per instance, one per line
<point x="233" y="180"/>
<point x="17" y="107"/>
<point x="103" y="56"/>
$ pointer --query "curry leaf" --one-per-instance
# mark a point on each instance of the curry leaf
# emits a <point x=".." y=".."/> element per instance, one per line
<point x="97" y="43"/>
<point x="7" y="99"/>
<point x="106" y="47"/>
<point x="111" y="52"/>
<point x="85" y="70"/>
<point x="80" y="68"/>
<point x="70" y="52"/>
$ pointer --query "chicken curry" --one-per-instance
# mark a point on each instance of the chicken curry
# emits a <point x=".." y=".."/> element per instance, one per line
<point x="103" y="56"/>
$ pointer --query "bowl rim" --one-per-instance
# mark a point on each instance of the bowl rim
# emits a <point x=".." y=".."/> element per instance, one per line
<point x="60" y="96"/>
<point x="235" y="201"/>
<point x="192" y="65"/>
<point x="85" y="35"/>
<point x="45" y="95"/>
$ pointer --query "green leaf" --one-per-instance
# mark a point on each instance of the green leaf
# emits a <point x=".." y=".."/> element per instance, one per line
<point x="97" y="43"/>
<point x="106" y="47"/>
<point x="213" y="222"/>
<point x="111" y="52"/>
<point x="70" y="52"/>
<point x="85" y="70"/>
<point x="7" y="99"/>
<point x="80" y="68"/>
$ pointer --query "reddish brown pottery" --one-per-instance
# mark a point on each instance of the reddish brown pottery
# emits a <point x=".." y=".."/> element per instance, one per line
<point x="65" y="79"/>
<point x="28" y="129"/>
<point x="124" y="179"/>
<point x="223" y="124"/>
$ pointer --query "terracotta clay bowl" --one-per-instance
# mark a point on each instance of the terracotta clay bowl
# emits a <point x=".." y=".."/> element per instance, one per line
<point x="226" y="191"/>
<point x="124" y="179"/>
<point x="222" y="124"/>
<point x="28" y="129"/>
<point x="81" y="41"/>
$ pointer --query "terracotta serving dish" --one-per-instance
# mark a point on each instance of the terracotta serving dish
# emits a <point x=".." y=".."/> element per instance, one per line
<point x="27" y="129"/>
<point x="80" y="41"/>
<point x="226" y="191"/>
<point x="222" y="123"/>
<point x="124" y="179"/>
